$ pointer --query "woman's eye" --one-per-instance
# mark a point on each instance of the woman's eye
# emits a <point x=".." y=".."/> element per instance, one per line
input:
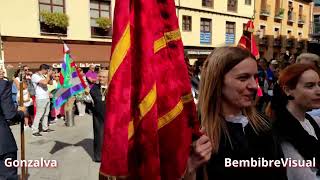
<point x="309" y="85"/>
<point x="242" y="78"/>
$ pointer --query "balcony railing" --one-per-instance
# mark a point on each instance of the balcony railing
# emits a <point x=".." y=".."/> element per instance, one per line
<point x="265" y="10"/>
<point x="302" y="19"/>
<point x="46" y="29"/>
<point x="279" y="13"/>
<point x="291" y="16"/>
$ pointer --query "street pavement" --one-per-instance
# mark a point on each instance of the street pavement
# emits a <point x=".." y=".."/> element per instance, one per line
<point x="72" y="147"/>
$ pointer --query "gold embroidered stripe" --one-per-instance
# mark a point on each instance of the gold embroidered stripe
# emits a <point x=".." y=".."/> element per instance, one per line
<point x="148" y="101"/>
<point x="168" y="36"/>
<point x="130" y="129"/>
<point x="167" y="118"/>
<point x="187" y="98"/>
<point x="171" y="115"/>
<point x="144" y="107"/>
<point x="120" y="51"/>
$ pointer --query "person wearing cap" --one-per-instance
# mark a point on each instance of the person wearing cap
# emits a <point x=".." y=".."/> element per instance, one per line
<point x="40" y="81"/>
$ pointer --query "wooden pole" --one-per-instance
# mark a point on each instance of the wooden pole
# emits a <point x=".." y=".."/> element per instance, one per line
<point x="22" y="143"/>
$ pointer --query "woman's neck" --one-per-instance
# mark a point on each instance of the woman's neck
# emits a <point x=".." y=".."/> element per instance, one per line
<point x="230" y="110"/>
<point x="296" y="111"/>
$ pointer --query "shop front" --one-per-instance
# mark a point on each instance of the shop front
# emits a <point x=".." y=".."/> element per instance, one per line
<point x="34" y="52"/>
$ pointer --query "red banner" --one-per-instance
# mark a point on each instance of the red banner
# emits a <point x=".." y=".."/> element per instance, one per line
<point x="150" y="109"/>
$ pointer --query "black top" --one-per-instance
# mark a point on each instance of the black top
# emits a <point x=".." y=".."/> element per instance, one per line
<point x="8" y="111"/>
<point x="246" y="145"/>
<point x="290" y="130"/>
<point x="99" y="105"/>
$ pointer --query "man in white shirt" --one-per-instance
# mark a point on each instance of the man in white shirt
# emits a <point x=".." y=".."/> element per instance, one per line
<point x="40" y="81"/>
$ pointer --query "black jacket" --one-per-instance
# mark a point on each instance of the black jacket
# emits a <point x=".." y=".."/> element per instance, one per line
<point x="289" y="129"/>
<point x="246" y="145"/>
<point x="98" y="110"/>
<point x="8" y="111"/>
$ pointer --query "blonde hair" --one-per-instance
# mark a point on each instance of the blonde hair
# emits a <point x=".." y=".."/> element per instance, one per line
<point x="309" y="57"/>
<point x="216" y="66"/>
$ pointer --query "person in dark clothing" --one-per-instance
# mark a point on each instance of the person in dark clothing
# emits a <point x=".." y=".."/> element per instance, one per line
<point x="98" y="93"/>
<point x="8" y="147"/>
<point x="228" y="116"/>
<point x="299" y="133"/>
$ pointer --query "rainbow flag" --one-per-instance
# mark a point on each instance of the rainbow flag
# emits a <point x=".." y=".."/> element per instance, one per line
<point x="71" y="82"/>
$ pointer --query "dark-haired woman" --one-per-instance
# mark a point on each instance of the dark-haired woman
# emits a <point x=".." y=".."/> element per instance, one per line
<point x="298" y="132"/>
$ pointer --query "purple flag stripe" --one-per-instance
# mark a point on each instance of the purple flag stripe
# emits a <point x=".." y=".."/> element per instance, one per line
<point x="64" y="66"/>
<point x="74" y="74"/>
<point x="67" y="94"/>
<point x="73" y="81"/>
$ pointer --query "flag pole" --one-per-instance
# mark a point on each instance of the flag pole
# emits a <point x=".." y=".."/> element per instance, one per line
<point x="24" y="170"/>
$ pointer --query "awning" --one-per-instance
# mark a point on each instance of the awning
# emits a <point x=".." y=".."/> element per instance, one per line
<point x="35" y="53"/>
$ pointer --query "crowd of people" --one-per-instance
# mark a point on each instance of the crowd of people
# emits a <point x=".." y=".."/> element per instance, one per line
<point x="237" y="122"/>
<point x="38" y="89"/>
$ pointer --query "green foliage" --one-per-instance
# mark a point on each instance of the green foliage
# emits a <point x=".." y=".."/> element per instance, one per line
<point x="55" y="19"/>
<point x="104" y="23"/>
<point x="281" y="12"/>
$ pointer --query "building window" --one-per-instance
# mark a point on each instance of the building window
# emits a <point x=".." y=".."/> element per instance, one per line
<point x="51" y="6"/>
<point x="247" y="2"/>
<point x="316" y="29"/>
<point x="317" y="2"/>
<point x="98" y="9"/>
<point x="207" y="3"/>
<point x="232" y="5"/>
<point x="262" y="31"/>
<point x="205" y="30"/>
<point x="290" y="11"/>
<point x="289" y="35"/>
<point x="276" y="32"/>
<point x="300" y="10"/>
<point x="230" y="32"/>
<point x="186" y="23"/>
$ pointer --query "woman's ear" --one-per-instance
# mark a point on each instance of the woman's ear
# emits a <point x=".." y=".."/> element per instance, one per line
<point x="286" y="90"/>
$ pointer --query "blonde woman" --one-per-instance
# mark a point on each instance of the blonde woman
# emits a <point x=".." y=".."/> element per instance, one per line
<point x="235" y="129"/>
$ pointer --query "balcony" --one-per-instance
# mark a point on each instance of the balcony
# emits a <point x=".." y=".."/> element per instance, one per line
<point x="97" y="32"/>
<point x="279" y="14"/>
<point x="263" y="41"/>
<point x="291" y="17"/>
<point x="302" y="19"/>
<point x="265" y="10"/>
<point x="48" y="30"/>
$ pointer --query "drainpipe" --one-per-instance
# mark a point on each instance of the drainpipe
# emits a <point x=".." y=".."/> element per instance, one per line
<point x="1" y="54"/>
<point x="281" y="25"/>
